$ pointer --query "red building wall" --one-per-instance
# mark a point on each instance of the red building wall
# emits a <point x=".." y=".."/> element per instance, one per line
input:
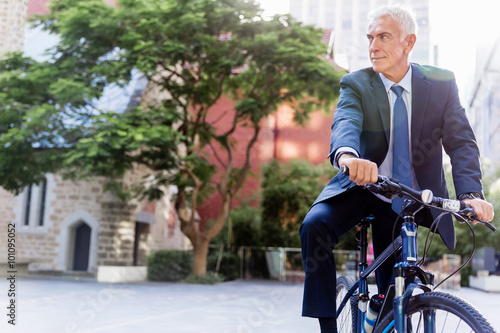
<point x="39" y="7"/>
<point x="280" y="137"/>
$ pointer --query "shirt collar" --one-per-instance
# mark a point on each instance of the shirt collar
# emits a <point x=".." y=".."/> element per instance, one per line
<point x="405" y="82"/>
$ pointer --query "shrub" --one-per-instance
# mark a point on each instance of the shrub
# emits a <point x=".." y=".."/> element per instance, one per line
<point x="243" y="227"/>
<point x="169" y="265"/>
<point x="229" y="266"/>
<point x="210" y="278"/>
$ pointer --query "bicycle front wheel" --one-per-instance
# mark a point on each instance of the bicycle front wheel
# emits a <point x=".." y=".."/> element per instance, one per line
<point x="452" y="314"/>
<point x="347" y="319"/>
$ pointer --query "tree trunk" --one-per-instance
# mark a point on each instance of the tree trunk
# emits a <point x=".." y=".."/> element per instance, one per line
<point x="200" y="254"/>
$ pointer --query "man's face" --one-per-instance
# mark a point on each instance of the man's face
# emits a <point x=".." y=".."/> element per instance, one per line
<point x="388" y="54"/>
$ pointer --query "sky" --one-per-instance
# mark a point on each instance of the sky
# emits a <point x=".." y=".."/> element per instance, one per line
<point x="459" y="27"/>
<point x="272" y="7"/>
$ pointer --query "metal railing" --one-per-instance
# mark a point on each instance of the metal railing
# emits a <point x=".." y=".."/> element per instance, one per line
<point x="285" y="263"/>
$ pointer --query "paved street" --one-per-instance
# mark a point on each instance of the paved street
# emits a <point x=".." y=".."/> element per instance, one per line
<point x="56" y="305"/>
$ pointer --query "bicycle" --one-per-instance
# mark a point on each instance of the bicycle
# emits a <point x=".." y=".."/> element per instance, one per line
<point x="401" y="309"/>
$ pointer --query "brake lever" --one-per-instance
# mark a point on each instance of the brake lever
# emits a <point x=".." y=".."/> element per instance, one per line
<point x="470" y="215"/>
<point x="386" y="187"/>
<point x="488" y="224"/>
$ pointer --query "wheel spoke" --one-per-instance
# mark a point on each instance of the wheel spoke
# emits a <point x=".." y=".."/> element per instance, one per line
<point x="419" y="321"/>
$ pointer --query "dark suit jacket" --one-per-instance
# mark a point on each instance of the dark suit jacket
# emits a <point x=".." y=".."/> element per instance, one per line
<point x="362" y="121"/>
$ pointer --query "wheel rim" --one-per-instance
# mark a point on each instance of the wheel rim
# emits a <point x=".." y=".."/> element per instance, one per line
<point x="451" y="314"/>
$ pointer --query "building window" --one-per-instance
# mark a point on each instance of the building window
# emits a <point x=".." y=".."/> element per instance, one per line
<point x="34" y="199"/>
<point x="27" y="205"/>
<point x="43" y="196"/>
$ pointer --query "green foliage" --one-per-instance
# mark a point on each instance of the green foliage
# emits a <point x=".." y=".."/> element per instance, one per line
<point x="175" y="266"/>
<point x="484" y="236"/>
<point x="192" y="53"/>
<point x="197" y="51"/>
<point x="245" y="228"/>
<point x="288" y="191"/>
<point x="169" y="265"/>
<point x="209" y="278"/>
<point x="229" y="265"/>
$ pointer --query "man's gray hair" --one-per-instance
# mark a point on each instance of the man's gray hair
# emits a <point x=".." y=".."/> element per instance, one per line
<point x="402" y="14"/>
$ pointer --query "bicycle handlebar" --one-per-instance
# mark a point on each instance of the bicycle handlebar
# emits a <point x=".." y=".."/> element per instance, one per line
<point x="391" y="188"/>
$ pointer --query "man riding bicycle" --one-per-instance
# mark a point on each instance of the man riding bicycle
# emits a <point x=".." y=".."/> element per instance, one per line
<point x="393" y="119"/>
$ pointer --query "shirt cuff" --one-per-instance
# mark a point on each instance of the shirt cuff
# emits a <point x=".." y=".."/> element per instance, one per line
<point x="343" y="150"/>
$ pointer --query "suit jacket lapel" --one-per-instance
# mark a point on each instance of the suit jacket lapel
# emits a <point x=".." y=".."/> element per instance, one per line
<point x="380" y="97"/>
<point x="420" y="96"/>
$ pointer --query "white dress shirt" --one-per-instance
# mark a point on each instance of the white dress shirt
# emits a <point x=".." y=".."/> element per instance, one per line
<point x="385" y="168"/>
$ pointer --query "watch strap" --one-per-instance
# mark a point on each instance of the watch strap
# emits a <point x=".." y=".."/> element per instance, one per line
<point x="470" y="195"/>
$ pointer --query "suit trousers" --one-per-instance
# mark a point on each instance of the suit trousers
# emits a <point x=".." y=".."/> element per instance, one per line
<point x="321" y="230"/>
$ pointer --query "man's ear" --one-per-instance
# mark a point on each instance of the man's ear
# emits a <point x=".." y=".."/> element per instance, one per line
<point x="410" y="40"/>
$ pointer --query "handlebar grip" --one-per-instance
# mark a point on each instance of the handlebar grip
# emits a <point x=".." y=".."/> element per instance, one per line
<point x="448" y="204"/>
<point x="345" y="170"/>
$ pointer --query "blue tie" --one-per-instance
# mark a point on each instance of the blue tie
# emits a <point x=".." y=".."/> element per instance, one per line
<point x="401" y="167"/>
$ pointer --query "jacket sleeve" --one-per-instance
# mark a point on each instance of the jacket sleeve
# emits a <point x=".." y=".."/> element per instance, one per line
<point x="460" y="144"/>
<point x="348" y="118"/>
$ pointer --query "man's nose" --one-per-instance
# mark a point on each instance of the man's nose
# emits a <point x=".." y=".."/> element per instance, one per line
<point x="373" y="46"/>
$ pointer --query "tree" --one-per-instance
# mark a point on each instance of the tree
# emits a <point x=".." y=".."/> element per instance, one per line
<point x="288" y="191"/>
<point x="193" y="52"/>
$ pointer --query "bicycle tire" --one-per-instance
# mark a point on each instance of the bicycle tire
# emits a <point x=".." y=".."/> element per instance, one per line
<point x="347" y="320"/>
<point x="464" y="317"/>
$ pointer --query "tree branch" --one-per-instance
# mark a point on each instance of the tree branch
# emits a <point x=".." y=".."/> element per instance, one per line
<point x="216" y="155"/>
<point x="246" y="166"/>
<point x="233" y="126"/>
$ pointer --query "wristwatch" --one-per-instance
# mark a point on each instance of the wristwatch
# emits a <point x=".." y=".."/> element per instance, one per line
<point x="470" y="195"/>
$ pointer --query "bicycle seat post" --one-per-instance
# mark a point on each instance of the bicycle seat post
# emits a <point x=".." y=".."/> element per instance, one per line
<point x="362" y="237"/>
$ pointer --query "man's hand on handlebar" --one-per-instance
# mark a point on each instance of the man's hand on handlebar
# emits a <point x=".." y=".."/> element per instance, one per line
<point x="483" y="209"/>
<point x="361" y="171"/>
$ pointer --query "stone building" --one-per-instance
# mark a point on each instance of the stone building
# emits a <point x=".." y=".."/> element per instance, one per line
<point x="66" y="226"/>
<point x="74" y="226"/>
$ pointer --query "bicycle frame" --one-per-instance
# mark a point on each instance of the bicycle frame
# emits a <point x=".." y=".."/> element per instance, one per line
<point x="405" y="267"/>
